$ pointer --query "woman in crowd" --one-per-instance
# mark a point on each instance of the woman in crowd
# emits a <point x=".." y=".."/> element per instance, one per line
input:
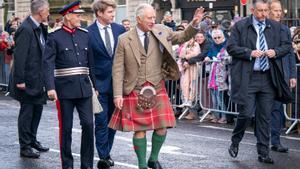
<point x="189" y="73"/>
<point x="217" y="83"/>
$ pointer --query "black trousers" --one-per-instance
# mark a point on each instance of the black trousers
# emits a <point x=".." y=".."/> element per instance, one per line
<point x="84" y="109"/>
<point x="260" y="99"/>
<point x="28" y="122"/>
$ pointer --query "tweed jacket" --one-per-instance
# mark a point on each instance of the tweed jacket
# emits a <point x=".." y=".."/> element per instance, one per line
<point x="129" y="51"/>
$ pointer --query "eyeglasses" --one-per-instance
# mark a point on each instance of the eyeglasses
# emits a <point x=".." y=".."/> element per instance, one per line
<point x="218" y="37"/>
<point x="297" y="42"/>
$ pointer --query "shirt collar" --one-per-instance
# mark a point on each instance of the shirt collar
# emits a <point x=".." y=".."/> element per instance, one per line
<point x="34" y="21"/>
<point x="140" y="32"/>
<point x="100" y="26"/>
<point x="255" y="21"/>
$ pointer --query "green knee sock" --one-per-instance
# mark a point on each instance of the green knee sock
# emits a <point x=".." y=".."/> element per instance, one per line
<point x="157" y="142"/>
<point x="140" y="148"/>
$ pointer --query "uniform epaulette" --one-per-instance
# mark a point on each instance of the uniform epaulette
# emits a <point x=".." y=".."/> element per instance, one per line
<point x="84" y="30"/>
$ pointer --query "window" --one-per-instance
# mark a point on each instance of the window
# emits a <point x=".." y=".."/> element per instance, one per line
<point x="121" y="2"/>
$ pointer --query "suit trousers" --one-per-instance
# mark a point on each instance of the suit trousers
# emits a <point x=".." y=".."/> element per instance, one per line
<point x="28" y="122"/>
<point x="277" y="122"/>
<point x="104" y="135"/>
<point x="260" y="96"/>
<point x="84" y="109"/>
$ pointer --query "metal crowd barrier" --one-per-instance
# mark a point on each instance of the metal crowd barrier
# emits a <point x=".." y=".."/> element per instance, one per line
<point x="203" y="96"/>
<point x="206" y="98"/>
<point x="293" y="114"/>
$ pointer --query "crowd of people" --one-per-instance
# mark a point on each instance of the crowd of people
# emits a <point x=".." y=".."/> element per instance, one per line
<point x="106" y="58"/>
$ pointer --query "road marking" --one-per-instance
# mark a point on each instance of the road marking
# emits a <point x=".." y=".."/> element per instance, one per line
<point x="248" y="132"/>
<point x="166" y="149"/>
<point x="229" y="141"/>
<point x="96" y="159"/>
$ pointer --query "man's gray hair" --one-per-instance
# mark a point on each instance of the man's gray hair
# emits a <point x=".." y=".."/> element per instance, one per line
<point x="38" y="5"/>
<point x="139" y="12"/>
<point x="254" y="2"/>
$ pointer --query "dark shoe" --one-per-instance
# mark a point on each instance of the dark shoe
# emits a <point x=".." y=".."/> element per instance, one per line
<point x="111" y="161"/>
<point x="279" y="148"/>
<point x="29" y="153"/>
<point x="37" y="145"/>
<point x="265" y="159"/>
<point x="154" y="165"/>
<point x="233" y="150"/>
<point x="103" y="164"/>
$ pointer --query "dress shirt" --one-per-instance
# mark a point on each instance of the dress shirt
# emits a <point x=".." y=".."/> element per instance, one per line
<point x="102" y="33"/>
<point x="255" y="24"/>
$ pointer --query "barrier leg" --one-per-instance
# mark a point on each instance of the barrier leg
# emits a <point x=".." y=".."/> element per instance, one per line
<point x="183" y="113"/>
<point x="291" y="127"/>
<point x="204" y="116"/>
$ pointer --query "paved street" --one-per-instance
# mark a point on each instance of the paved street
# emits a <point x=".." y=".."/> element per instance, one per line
<point x="189" y="146"/>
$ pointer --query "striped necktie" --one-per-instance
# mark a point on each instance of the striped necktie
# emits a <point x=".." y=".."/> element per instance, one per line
<point x="263" y="61"/>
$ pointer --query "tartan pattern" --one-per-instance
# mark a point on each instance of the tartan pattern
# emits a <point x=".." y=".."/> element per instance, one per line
<point x="129" y="119"/>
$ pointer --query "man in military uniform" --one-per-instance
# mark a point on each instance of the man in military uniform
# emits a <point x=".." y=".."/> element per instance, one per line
<point x="68" y="70"/>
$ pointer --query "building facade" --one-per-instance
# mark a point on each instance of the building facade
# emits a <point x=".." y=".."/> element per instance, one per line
<point x="181" y="9"/>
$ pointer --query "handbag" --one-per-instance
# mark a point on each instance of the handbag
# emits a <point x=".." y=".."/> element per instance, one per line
<point x="97" y="108"/>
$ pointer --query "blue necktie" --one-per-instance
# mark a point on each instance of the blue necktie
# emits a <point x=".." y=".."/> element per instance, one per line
<point x="263" y="61"/>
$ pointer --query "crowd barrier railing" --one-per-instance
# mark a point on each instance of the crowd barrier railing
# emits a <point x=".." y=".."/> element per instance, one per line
<point x="293" y="114"/>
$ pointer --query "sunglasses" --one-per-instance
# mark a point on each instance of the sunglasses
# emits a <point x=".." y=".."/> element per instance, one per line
<point x="218" y="37"/>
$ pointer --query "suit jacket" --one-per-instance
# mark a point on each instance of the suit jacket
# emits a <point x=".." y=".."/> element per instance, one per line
<point x="128" y="55"/>
<point x="102" y="61"/>
<point x="240" y="45"/>
<point x="289" y="62"/>
<point x="28" y="63"/>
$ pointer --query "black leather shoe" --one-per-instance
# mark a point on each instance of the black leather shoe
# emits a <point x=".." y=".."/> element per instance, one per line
<point x="279" y="148"/>
<point x="265" y="159"/>
<point x="110" y="160"/>
<point x="37" y="145"/>
<point x="29" y="153"/>
<point x="154" y="165"/>
<point x="233" y="150"/>
<point x="103" y="164"/>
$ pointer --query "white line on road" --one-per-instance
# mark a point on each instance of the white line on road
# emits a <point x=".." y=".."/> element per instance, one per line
<point x="96" y="159"/>
<point x="248" y="132"/>
<point x="227" y="140"/>
<point x="174" y="150"/>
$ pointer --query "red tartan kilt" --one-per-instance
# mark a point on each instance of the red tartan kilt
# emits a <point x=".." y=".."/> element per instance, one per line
<point x="129" y="119"/>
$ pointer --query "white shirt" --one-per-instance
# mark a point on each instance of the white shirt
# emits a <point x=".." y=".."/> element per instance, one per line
<point x="141" y="35"/>
<point x="102" y="33"/>
<point x="42" y="39"/>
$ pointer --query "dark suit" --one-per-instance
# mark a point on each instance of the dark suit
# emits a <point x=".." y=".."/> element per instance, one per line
<point x="27" y="69"/>
<point x="289" y="70"/>
<point x="254" y="89"/>
<point x="103" y="78"/>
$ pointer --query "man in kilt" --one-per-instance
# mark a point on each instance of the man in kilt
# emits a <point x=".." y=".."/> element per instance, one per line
<point x="143" y="60"/>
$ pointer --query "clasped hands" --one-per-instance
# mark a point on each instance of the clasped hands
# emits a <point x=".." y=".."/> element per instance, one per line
<point x="258" y="53"/>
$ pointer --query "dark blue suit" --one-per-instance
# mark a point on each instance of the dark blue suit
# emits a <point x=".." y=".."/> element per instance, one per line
<point x="103" y="78"/>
